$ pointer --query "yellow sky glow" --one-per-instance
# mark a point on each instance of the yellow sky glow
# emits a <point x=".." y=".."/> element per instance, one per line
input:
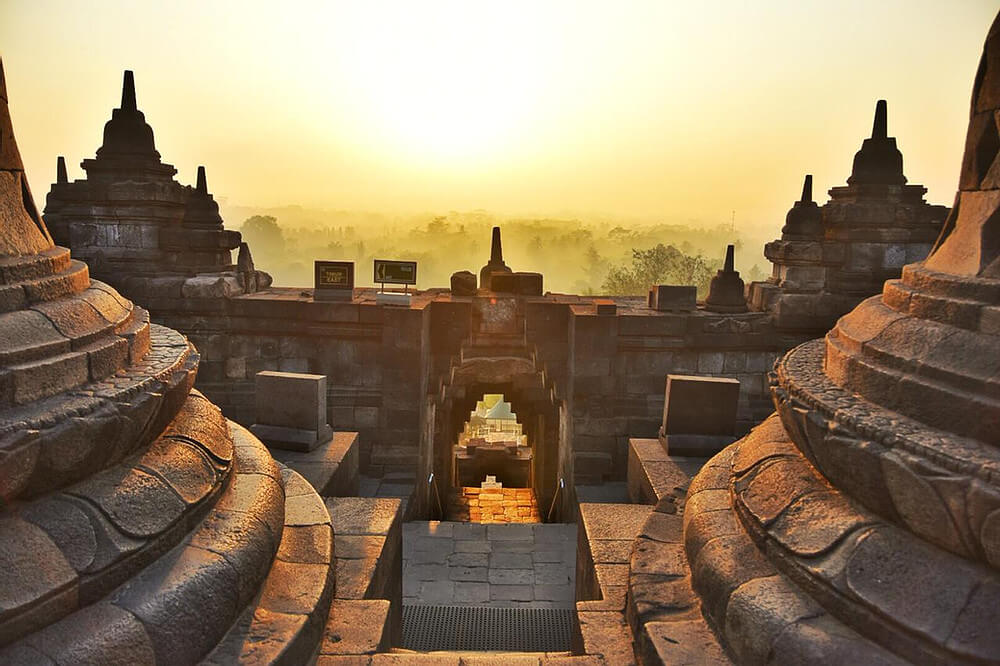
<point x="670" y="111"/>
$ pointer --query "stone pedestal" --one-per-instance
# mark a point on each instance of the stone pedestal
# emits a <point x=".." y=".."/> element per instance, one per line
<point x="699" y="414"/>
<point x="291" y="410"/>
<point x="673" y="298"/>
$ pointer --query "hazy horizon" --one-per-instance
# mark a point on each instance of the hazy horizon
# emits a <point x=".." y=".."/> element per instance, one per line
<point x="651" y="112"/>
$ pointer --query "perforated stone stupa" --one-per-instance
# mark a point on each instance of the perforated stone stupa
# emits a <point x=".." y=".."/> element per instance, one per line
<point x="137" y="525"/>
<point x="861" y="523"/>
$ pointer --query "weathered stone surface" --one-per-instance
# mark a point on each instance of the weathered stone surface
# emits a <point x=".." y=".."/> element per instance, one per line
<point x="759" y="611"/>
<point x="359" y="515"/>
<point x="685" y="643"/>
<point x="356" y="627"/>
<point x="106" y="634"/>
<point x="39" y="584"/>
<point x="606" y="634"/>
<point x="184" y="601"/>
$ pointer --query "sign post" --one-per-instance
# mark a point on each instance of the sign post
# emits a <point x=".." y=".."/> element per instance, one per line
<point x="394" y="272"/>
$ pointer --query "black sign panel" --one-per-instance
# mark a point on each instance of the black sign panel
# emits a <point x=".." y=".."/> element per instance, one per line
<point x="395" y="272"/>
<point x="334" y="274"/>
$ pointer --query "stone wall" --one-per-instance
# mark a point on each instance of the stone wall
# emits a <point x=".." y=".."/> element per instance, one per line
<point x="607" y="371"/>
<point x="371" y="356"/>
<point x="620" y="364"/>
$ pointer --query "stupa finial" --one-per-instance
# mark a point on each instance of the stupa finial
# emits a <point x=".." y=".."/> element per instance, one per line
<point x="495" y="264"/>
<point x="128" y="92"/>
<point x="61" y="176"/>
<point x="496" y="249"/>
<point x="880" y="128"/>
<point x="807" y="189"/>
<point x="202" y="185"/>
<point x="729" y="259"/>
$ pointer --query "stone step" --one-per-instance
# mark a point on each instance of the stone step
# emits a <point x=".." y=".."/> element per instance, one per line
<point x="285" y="622"/>
<point x="331" y="468"/>
<point x="356" y="627"/>
<point x="74" y="279"/>
<point x="211" y="574"/>
<point x="368" y="546"/>
<point x="22" y="268"/>
<point x="401" y="457"/>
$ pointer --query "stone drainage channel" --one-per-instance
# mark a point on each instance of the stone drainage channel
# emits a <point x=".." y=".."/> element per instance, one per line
<point x="495" y="587"/>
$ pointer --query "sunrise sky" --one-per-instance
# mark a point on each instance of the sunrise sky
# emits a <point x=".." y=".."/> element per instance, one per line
<point x="671" y="111"/>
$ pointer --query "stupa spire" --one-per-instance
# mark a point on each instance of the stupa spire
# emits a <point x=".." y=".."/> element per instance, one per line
<point x="880" y="127"/>
<point x="496" y="264"/>
<point x="496" y="249"/>
<point x="729" y="259"/>
<point x="807" y="189"/>
<point x="202" y="185"/>
<point x="61" y="176"/>
<point x="128" y="92"/>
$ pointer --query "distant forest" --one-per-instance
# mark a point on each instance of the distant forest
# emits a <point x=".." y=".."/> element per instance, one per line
<point x="589" y="257"/>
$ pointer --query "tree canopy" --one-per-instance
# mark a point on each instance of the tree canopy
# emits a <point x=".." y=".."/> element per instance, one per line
<point x="661" y="264"/>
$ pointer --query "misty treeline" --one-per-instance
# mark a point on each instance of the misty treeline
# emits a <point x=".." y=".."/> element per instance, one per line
<point x="575" y="256"/>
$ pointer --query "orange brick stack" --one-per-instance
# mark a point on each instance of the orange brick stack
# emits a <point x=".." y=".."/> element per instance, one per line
<point x="493" y="505"/>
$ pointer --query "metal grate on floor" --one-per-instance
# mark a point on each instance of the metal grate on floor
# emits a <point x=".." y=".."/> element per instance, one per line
<point x="478" y="628"/>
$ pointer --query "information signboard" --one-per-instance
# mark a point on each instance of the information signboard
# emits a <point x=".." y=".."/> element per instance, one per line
<point x="333" y="280"/>
<point x="395" y="272"/>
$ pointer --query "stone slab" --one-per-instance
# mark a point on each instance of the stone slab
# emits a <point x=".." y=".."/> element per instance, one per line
<point x="331" y="468"/>
<point x="291" y="400"/>
<point x="700" y="405"/>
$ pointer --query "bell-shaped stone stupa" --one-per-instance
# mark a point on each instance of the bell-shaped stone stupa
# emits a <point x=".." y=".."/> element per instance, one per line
<point x="137" y="524"/>
<point x="861" y="523"/>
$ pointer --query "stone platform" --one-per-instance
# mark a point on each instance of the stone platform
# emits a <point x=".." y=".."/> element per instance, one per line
<point x="451" y="563"/>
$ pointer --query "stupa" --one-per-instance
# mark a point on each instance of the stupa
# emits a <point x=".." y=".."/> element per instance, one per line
<point x="831" y="257"/>
<point x="137" y="524"/>
<point x="861" y="523"/>
<point x="140" y="229"/>
<point x="725" y="293"/>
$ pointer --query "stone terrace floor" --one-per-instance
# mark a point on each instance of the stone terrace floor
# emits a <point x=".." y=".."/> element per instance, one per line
<point x="473" y="564"/>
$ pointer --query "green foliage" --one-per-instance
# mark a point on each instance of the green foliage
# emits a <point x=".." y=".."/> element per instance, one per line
<point x="662" y="264"/>
<point x="589" y="256"/>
